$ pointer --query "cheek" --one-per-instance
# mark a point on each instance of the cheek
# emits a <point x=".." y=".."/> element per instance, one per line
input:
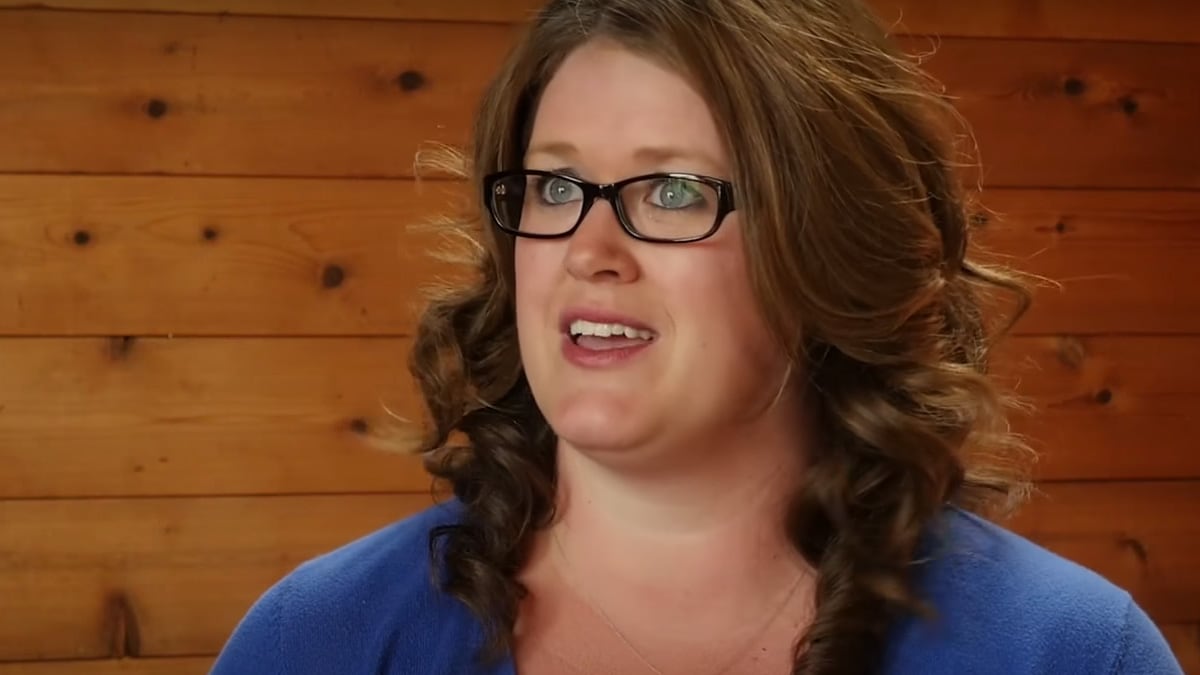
<point x="719" y="295"/>
<point x="744" y="307"/>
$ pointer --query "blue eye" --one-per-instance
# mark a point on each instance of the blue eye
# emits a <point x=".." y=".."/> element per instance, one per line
<point x="676" y="193"/>
<point x="554" y="190"/>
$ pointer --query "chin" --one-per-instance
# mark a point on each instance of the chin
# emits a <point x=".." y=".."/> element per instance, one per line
<point x="595" y="423"/>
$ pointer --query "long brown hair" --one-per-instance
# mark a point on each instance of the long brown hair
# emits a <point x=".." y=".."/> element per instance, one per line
<point x="857" y="227"/>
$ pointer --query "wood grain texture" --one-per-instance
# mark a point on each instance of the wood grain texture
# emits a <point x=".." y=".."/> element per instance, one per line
<point x="1107" y="407"/>
<point x="195" y="94"/>
<point x="1039" y="110"/>
<point x="234" y="95"/>
<point x="489" y="11"/>
<point x="1185" y="642"/>
<point x="1150" y="21"/>
<point x="1119" y="261"/>
<point x="84" y="417"/>
<point x="237" y="416"/>
<point x="198" y="665"/>
<point x="1144" y="537"/>
<point x="159" y="577"/>
<point x="80" y="577"/>
<point x="216" y="464"/>
<point x="195" y="256"/>
<point x="155" y="256"/>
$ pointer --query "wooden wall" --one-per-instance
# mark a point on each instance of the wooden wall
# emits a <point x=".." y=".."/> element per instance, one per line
<point x="207" y="291"/>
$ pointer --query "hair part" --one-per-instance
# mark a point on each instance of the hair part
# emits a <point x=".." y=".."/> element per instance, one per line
<point x="852" y="208"/>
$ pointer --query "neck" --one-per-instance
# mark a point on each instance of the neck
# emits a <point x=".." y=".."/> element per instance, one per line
<point x="711" y="523"/>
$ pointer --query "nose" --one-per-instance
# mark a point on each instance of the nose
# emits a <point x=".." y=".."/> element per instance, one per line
<point x="600" y="249"/>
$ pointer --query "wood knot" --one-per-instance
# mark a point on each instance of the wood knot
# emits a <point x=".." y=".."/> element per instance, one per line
<point x="1073" y="86"/>
<point x="121" y="622"/>
<point x="410" y="80"/>
<point x="82" y="237"/>
<point x="1129" y="105"/>
<point x="120" y="347"/>
<point x="156" y="108"/>
<point x="1104" y="396"/>
<point x="360" y="426"/>
<point x="332" y="276"/>
<point x="210" y="233"/>
<point x="1071" y="352"/>
<point x="1136" y="546"/>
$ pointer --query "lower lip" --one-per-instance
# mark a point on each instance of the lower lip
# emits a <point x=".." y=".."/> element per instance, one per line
<point x="594" y="358"/>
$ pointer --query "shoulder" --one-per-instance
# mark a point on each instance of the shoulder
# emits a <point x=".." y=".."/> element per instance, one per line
<point x="1004" y="604"/>
<point x="369" y="606"/>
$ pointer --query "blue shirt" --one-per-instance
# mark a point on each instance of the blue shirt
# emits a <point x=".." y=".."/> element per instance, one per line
<point x="1005" y="606"/>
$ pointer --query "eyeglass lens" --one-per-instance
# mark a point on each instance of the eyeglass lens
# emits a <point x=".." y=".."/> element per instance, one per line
<point x="667" y="208"/>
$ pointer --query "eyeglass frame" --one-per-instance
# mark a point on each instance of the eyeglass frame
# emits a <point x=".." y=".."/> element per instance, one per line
<point x="610" y="192"/>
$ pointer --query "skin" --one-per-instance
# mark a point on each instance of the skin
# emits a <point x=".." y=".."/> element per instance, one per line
<point x="673" y="466"/>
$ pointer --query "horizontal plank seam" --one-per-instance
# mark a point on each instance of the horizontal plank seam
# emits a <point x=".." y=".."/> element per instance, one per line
<point x="1181" y="479"/>
<point x="154" y="657"/>
<point x="294" y="17"/>
<point x="441" y="179"/>
<point x="1019" y="38"/>
<point x="212" y="496"/>
<point x="438" y="178"/>
<point x="444" y="178"/>
<point x="210" y="336"/>
<point x="408" y="336"/>
<point x="1039" y="484"/>
<point x="487" y="22"/>
<point x="1090" y="188"/>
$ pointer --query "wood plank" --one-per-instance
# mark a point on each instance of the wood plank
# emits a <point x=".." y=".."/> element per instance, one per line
<point x="99" y="417"/>
<point x="78" y="577"/>
<point x="1119" y="255"/>
<point x="1144" y="537"/>
<point x="225" y="256"/>
<point x="250" y="96"/>
<point x="490" y="11"/>
<point x="1149" y="21"/>
<point x="199" y="665"/>
<point x="198" y="94"/>
<point x="1107" y="407"/>
<point x="1037" y="109"/>
<point x="1119" y="258"/>
<point x="183" y="571"/>
<point x="1185" y="642"/>
<point x="94" y="417"/>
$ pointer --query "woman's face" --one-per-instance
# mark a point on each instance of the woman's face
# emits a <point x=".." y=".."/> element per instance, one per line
<point x="709" y="366"/>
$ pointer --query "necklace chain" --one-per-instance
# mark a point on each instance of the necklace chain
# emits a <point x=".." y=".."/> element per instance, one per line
<point x="612" y="626"/>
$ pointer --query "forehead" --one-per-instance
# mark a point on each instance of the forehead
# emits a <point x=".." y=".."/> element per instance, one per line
<point x="612" y="104"/>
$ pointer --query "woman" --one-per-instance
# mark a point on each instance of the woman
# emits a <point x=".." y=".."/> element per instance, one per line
<point x="720" y="380"/>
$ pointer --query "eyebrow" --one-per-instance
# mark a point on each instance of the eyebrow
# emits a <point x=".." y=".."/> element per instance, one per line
<point x="649" y="154"/>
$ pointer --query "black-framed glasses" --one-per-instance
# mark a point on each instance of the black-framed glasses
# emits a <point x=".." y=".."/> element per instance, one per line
<point x="671" y="208"/>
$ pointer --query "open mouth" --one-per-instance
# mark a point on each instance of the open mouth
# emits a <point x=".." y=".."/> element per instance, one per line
<point x="607" y="336"/>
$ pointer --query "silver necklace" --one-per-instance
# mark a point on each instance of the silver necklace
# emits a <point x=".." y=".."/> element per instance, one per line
<point x="612" y="626"/>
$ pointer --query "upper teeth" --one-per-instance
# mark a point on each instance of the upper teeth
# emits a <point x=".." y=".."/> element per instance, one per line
<point x="581" y="327"/>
